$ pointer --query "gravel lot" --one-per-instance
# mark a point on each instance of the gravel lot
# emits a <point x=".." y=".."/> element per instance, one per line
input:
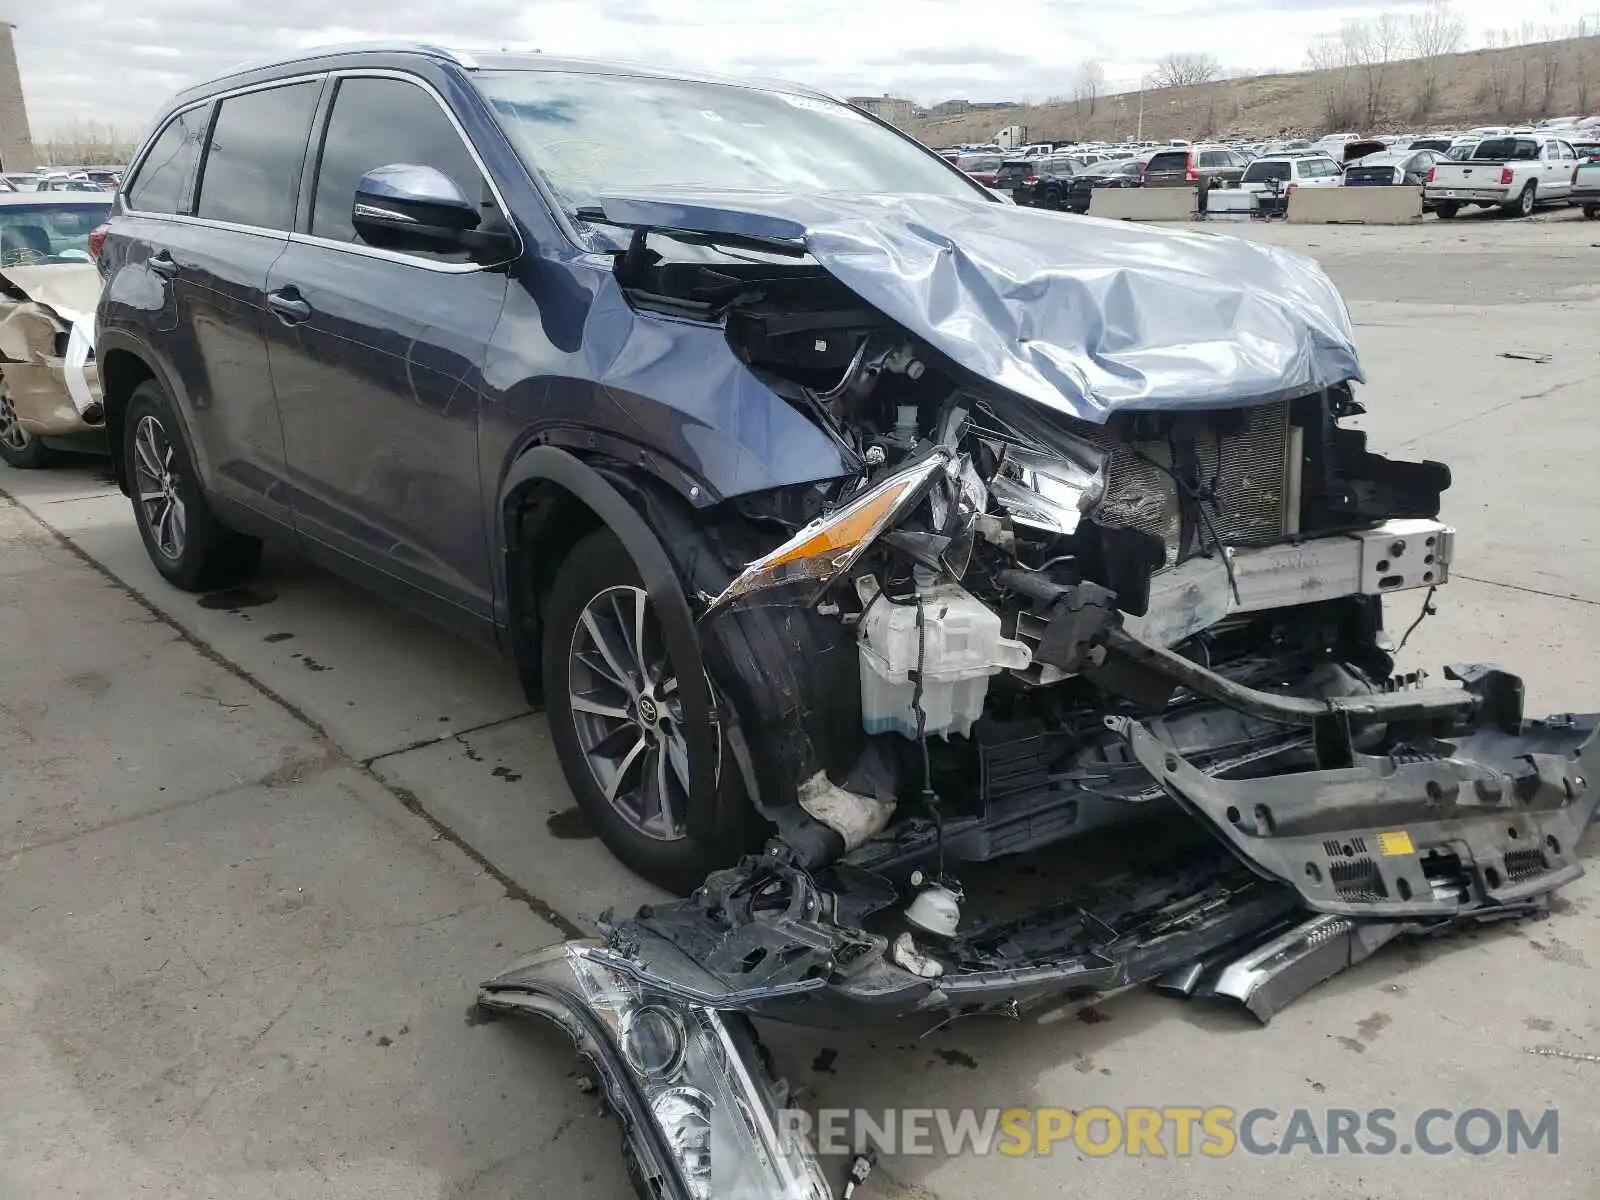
<point x="257" y="849"/>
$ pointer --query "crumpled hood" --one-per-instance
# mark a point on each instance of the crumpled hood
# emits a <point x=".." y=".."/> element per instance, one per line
<point x="1084" y="316"/>
<point x="70" y="289"/>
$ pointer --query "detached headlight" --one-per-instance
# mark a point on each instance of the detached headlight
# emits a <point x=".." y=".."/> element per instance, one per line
<point x="830" y="544"/>
<point x="701" y="1113"/>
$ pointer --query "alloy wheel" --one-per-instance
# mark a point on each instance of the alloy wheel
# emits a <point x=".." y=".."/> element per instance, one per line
<point x="156" y="484"/>
<point x="12" y="434"/>
<point x="628" y="714"/>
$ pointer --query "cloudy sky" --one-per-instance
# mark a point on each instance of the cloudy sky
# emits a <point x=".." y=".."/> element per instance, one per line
<point x="117" y="60"/>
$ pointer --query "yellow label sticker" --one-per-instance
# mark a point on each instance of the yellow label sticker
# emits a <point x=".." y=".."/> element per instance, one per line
<point x="1392" y="845"/>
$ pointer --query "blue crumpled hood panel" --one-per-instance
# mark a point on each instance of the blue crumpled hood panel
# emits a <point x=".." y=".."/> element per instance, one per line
<point x="1083" y="316"/>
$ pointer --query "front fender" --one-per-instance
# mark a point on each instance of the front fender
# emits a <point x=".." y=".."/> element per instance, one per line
<point x="548" y="464"/>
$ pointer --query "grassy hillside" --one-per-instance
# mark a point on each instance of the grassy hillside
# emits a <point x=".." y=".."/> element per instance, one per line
<point x="1479" y="87"/>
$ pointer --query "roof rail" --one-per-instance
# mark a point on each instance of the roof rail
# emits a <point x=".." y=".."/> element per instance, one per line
<point x="399" y="46"/>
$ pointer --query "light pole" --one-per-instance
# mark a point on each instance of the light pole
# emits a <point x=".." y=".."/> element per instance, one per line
<point x="1143" y="79"/>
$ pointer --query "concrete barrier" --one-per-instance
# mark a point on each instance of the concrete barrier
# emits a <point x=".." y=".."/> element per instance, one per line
<point x="1355" y="206"/>
<point x="1143" y="204"/>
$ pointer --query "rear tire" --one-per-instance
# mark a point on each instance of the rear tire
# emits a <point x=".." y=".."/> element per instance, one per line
<point x="1447" y="211"/>
<point x="1592" y="211"/>
<point x="598" y="581"/>
<point x="1526" y="201"/>
<point x="191" y="548"/>
<point x="18" y="447"/>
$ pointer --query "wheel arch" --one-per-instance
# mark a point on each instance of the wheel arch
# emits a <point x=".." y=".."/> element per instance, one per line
<point x="124" y="364"/>
<point x="550" y="499"/>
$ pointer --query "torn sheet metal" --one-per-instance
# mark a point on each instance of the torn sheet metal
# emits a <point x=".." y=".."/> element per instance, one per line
<point x="54" y="388"/>
<point x="1086" y="317"/>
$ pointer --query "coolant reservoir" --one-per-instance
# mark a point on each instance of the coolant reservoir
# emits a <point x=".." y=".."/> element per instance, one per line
<point x="962" y="647"/>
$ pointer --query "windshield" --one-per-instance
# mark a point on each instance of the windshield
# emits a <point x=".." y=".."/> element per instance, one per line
<point x="48" y="233"/>
<point x="1264" y="169"/>
<point x="587" y="134"/>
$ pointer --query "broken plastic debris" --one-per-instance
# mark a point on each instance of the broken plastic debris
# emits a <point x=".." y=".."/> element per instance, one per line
<point x="907" y="955"/>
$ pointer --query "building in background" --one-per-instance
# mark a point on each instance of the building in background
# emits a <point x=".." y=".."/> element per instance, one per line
<point x="16" y="142"/>
<point x="886" y="108"/>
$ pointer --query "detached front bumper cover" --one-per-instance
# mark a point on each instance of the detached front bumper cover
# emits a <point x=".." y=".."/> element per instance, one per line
<point x="1489" y="819"/>
<point x="702" y="1111"/>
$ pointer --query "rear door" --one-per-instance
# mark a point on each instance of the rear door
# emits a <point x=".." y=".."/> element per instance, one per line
<point x="245" y="195"/>
<point x="1564" y="160"/>
<point x="209" y="210"/>
<point x="376" y="361"/>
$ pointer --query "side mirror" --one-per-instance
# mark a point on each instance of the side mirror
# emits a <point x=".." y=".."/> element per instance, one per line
<point x="404" y="205"/>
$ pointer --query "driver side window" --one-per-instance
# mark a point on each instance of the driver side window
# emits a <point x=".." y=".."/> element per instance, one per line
<point x="376" y="122"/>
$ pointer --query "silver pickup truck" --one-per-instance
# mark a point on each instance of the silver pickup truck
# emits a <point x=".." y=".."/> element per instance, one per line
<point x="1518" y="172"/>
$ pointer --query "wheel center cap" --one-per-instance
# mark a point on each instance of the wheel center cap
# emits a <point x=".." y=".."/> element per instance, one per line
<point x="649" y="713"/>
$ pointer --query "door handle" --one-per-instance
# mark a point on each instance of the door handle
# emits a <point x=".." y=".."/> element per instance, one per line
<point x="163" y="264"/>
<point x="288" y="306"/>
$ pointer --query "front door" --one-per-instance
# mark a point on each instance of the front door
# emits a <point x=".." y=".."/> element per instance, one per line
<point x="376" y="358"/>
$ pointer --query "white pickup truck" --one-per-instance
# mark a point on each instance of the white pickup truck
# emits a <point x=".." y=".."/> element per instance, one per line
<point x="1586" y="187"/>
<point x="1516" y="171"/>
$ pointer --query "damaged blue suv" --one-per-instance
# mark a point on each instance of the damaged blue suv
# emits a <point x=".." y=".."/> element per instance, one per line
<point x="833" y="509"/>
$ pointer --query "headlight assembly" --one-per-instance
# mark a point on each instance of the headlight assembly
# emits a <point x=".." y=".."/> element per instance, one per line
<point x="830" y="544"/>
<point x="702" y="1114"/>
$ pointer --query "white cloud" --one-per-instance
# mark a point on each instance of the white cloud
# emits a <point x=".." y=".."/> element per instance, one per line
<point x="118" y="60"/>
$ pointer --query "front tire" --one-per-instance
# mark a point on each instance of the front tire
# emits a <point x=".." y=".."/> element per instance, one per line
<point x="187" y="543"/>
<point x="609" y="690"/>
<point x="17" y="446"/>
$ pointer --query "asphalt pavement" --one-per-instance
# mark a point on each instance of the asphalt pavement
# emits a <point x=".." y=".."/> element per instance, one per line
<point x="257" y="848"/>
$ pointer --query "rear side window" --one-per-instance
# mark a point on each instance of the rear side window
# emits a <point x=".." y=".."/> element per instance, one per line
<point x="1507" y="150"/>
<point x="251" y="173"/>
<point x="1262" y="170"/>
<point x="163" y="176"/>
<point x="377" y="122"/>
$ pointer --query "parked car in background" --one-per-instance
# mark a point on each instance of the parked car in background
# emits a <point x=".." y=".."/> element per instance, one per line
<point x="1440" y="144"/>
<point x="49" y="389"/>
<point x="982" y="167"/>
<point x="1586" y="185"/>
<point x="1392" y="167"/>
<point x="1587" y="151"/>
<point x="1272" y="178"/>
<point x="1362" y="147"/>
<point x="1205" y="165"/>
<point x="1515" y="172"/>
<point x="22" y="181"/>
<point x="1126" y="173"/>
<point x="1046" y="186"/>
<point x="1014" y="175"/>
<point x="60" y="184"/>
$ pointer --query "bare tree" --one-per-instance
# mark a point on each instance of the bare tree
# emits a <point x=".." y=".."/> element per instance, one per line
<point x="1499" y="43"/>
<point x="1371" y="47"/>
<point x="1434" y="31"/>
<point x="1089" y="83"/>
<point x="1329" y="56"/>
<point x="83" y="143"/>
<point x="1585" y="62"/>
<point x="1184" y="70"/>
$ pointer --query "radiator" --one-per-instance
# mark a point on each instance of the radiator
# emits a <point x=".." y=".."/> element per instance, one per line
<point x="1250" y="470"/>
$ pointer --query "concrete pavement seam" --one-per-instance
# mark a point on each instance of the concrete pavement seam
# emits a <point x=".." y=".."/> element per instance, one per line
<point x="407" y="798"/>
<point x="1522" y="587"/>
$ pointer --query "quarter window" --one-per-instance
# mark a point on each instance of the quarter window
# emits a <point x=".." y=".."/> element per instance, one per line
<point x="377" y="122"/>
<point x="251" y="174"/>
<point x="164" y="175"/>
